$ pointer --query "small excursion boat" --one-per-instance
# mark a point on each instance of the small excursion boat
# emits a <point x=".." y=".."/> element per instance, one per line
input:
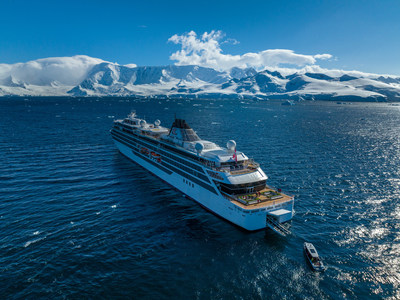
<point x="313" y="258"/>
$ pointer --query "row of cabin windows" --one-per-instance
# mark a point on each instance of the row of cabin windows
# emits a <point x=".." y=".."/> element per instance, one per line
<point x="190" y="156"/>
<point x="137" y="152"/>
<point x="179" y="152"/>
<point x="130" y="122"/>
<point x="133" y="139"/>
<point x="126" y="126"/>
<point x="232" y="164"/>
<point x="127" y="130"/>
<point x="238" y="189"/>
<point x="188" y="182"/>
<point x="138" y="147"/>
<point x="194" y="179"/>
<point x="198" y="168"/>
<point x="186" y="169"/>
<point x="172" y="162"/>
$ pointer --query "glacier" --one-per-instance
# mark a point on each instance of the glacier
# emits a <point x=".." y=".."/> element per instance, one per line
<point x="86" y="76"/>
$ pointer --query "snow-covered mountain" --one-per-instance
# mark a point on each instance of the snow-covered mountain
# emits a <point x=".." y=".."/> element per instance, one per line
<point x="48" y="76"/>
<point x="86" y="76"/>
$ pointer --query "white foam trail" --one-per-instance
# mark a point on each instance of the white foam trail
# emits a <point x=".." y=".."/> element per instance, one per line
<point x="28" y="243"/>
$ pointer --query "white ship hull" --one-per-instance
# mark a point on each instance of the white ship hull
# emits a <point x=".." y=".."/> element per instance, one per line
<point x="214" y="201"/>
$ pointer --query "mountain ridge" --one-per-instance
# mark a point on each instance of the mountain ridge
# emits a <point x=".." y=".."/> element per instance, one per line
<point x="85" y="76"/>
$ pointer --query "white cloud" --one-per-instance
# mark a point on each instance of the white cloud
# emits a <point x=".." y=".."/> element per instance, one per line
<point x="130" y="65"/>
<point x="230" y="41"/>
<point x="322" y="56"/>
<point x="206" y="51"/>
<point x="65" y="70"/>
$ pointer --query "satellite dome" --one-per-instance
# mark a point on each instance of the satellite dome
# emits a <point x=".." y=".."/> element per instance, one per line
<point x="231" y="145"/>
<point x="157" y="122"/>
<point x="142" y="123"/>
<point x="199" y="147"/>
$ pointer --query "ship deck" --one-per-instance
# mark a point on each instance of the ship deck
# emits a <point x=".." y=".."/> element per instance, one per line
<point x="246" y="169"/>
<point x="266" y="197"/>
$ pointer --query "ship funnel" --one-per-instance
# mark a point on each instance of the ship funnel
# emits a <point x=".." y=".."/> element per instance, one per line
<point x="231" y="145"/>
<point x="180" y="130"/>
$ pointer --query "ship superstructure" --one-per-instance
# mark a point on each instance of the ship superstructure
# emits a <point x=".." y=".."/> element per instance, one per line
<point x="223" y="180"/>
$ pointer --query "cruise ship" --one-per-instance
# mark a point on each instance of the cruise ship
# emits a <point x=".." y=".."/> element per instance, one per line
<point x="223" y="180"/>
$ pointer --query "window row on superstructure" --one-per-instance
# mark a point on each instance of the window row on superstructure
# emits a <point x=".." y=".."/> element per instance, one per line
<point x="175" y="161"/>
<point x="187" y="155"/>
<point x="164" y="166"/>
<point x="136" y="152"/>
<point x="186" y="169"/>
<point x="245" y="188"/>
<point x="193" y="179"/>
<point x="188" y="182"/>
<point x="160" y="147"/>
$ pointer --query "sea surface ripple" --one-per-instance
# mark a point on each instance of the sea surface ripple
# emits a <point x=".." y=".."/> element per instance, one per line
<point x="79" y="220"/>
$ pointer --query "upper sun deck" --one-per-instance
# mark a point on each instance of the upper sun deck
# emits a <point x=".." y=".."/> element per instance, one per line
<point x="154" y="130"/>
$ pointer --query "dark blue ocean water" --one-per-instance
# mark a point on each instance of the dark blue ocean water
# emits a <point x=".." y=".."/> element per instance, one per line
<point x="79" y="220"/>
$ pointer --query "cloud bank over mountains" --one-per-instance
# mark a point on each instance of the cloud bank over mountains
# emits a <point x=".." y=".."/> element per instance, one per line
<point x="206" y="51"/>
<point x="201" y="71"/>
<point x="63" y="70"/>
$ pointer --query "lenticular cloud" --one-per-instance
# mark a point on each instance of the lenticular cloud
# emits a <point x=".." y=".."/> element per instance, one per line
<point x="64" y="70"/>
<point x="206" y="51"/>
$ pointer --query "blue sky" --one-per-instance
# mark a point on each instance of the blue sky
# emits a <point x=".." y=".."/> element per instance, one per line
<point x="360" y="35"/>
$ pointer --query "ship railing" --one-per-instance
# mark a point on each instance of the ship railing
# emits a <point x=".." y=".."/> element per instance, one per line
<point x="279" y="190"/>
<point x="238" y="169"/>
<point x="273" y="197"/>
<point x="247" y="166"/>
<point x="251" y="164"/>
